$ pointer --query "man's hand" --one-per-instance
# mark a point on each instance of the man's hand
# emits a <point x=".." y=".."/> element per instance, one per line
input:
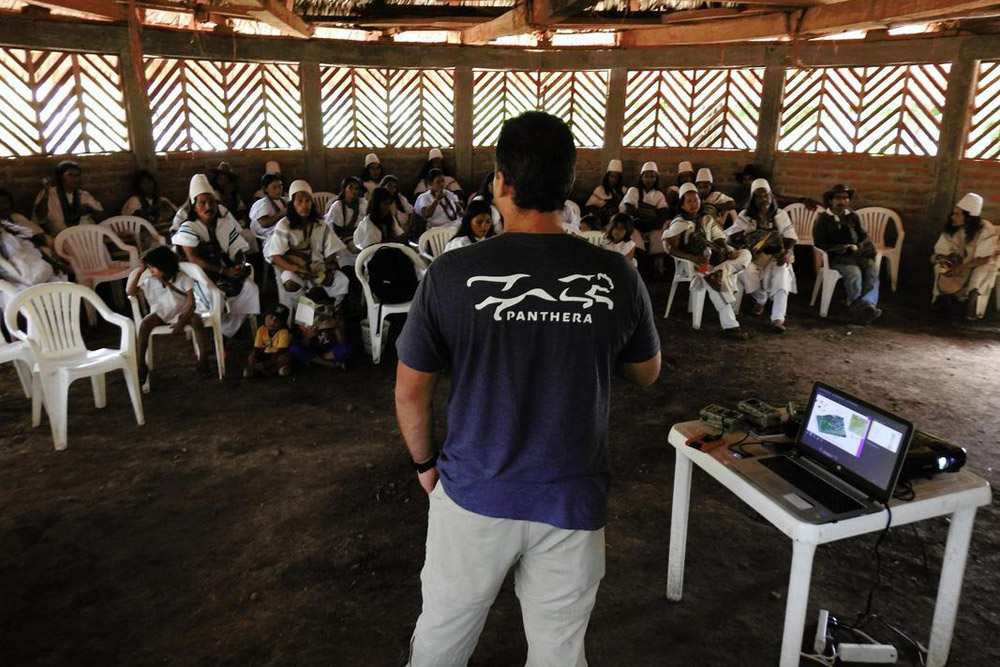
<point x="428" y="479"/>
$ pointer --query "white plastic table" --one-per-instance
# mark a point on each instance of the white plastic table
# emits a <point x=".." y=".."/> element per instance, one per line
<point x="954" y="494"/>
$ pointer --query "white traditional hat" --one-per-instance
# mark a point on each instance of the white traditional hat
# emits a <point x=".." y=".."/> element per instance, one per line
<point x="704" y="176"/>
<point x="200" y="186"/>
<point x="686" y="188"/>
<point x="971" y="204"/>
<point x="272" y="167"/>
<point x="650" y="166"/>
<point x="760" y="183"/>
<point x="435" y="154"/>
<point x="297" y="186"/>
<point x="684" y="166"/>
<point x="371" y="158"/>
<point x="615" y="165"/>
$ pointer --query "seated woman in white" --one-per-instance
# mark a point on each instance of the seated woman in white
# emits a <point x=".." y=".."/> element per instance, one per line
<point x="435" y="160"/>
<point x="343" y="216"/>
<point x="696" y="236"/>
<point x="147" y="203"/>
<point x="966" y="255"/>
<point x="607" y="197"/>
<point x="571" y="215"/>
<point x="711" y="197"/>
<point x="305" y="250"/>
<point x="685" y="174"/>
<point x="438" y="206"/>
<point x="404" y="209"/>
<point x="381" y="224"/>
<point x="62" y="203"/>
<point x="371" y="175"/>
<point x="768" y="233"/>
<point x="486" y="194"/>
<point x="618" y="238"/>
<point x="22" y="263"/>
<point x="477" y="225"/>
<point x="269" y="209"/>
<point x="647" y="205"/>
<point x="213" y="242"/>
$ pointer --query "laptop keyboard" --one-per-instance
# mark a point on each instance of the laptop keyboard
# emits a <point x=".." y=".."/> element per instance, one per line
<point x="826" y="494"/>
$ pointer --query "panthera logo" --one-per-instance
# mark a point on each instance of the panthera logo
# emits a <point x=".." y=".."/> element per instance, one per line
<point x="585" y="291"/>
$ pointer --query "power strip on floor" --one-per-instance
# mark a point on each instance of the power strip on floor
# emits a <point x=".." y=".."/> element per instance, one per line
<point x="877" y="654"/>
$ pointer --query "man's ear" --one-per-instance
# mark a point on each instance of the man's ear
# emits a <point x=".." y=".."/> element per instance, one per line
<point x="501" y="187"/>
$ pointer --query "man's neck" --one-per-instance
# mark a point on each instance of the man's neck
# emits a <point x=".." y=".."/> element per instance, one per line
<point x="534" y="222"/>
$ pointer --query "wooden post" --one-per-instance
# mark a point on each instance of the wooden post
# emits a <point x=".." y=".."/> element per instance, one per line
<point x="770" y="117"/>
<point x="951" y="146"/>
<point x="140" y="118"/>
<point x="463" y="127"/>
<point x="614" y="116"/>
<point x="312" y="123"/>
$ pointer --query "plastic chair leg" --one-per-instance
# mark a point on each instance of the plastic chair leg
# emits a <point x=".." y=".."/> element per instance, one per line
<point x="99" y="385"/>
<point x="131" y="371"/>
<point x="816" y="287"/>
<point x="894" y="270"/>
<point x="37" y="398"/>
<point x="670" y="299"/>
<point x="56" y="393"/>
<point x="220" y="352"/>
<point x="697" y="307"/>
<point x="24" y="375"/>
<point x="829" y="284"/>
<point x="149" y="353"/>
<point x="91" y="313"/>
<point x="376" y="335"/>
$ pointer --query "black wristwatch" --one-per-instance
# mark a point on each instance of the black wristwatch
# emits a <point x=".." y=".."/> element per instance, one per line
<point x="426" y="465"/>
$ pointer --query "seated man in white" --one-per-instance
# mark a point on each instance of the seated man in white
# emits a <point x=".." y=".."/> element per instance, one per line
<point x="966" y="255"/>
<point x="695" y="235"/>
<point x="22" y="263"/>
<point x="213" y="241"/>
<point x="438" y="206"/>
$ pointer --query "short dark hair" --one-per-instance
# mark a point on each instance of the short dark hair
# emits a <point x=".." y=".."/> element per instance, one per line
<point x="537" y="156"/>
<point x="432" y="174"/>
<point x="163" y="258"/>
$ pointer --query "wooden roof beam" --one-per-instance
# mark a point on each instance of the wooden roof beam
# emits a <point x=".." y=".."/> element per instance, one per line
<point x="525" y="17"/>
<point x="812" y="21"/>
<point x="104" y="10"/>
<point x="278" y="15"/>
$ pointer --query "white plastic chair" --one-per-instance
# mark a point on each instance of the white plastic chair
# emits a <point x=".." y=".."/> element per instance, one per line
<point x="432" y="242"/>
<point x="803" y="220"/>
<point x="875" y="220"/>
<point x="84" y="247"/>
<point x="595" y="237"/>
<point x="321" y="201"/>
<point x="826" y="280"/>
<point x="129" y="227"/>
<point x="212" y="319"/>
<point x="52" y="312"/>
<point x="684" y="271"/>
<point x="19" y="354"/>
<point x="377" y="312"/>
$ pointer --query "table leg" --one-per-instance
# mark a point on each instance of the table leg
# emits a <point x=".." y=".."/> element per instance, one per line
<point x="798" y="600"/>
<point x="956" y="552"/>
<point x="679" y="527"/>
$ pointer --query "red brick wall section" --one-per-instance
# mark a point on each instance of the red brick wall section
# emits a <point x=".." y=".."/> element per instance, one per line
<point x="983" y="178"/>
<point x="107" y="177"/>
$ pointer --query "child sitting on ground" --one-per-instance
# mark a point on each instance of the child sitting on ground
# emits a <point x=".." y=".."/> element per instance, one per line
<point x="170" y="295"/>
<point x="324" y="342"/>
<point x="270" y="348"/>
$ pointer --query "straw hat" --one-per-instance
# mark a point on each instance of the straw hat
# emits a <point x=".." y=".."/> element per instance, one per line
<point x="299" y="186"/>
<point x="684" y="167"/>
<point x="371" y="158"/>
<point x="615" y="165"/>
<point x="686" y="188"/>
<point x="704" y="176"/>
<point x="971" y="204"/>
<point x="199" y="185"/>
<point x="760" y="183"/>
<point x="435" y="154"/>
<point x="649" y="166"/>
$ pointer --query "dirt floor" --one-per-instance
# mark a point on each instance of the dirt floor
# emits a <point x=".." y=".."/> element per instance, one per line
<point x="277" y="522"/>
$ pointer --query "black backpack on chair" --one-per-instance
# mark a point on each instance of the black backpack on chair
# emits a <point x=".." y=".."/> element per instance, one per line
<point x="392" y="276"/>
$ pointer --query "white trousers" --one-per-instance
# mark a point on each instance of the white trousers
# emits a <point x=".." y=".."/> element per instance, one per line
<point x="247" y="302"/>
<point x="468" y="555"/>
<point x="779" y="302"/>
<point x="337" y="290"/>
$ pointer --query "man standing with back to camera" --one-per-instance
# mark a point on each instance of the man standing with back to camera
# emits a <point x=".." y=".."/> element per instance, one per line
<point x="531" y="323"/>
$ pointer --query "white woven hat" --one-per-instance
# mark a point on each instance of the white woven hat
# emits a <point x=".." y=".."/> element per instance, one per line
<point x="615" y="165"/>
<point x="650" y="166"/>
<point x="684" y="166"/>
<point x="200" y="186"/>
<point x="371" y="158"/>
<point x="686" y="188"/>
<point x="971" y="204"/>
<point x="435" y="154"/>
<point x="704" y="176"/>
<point x="760" y="183"/>
<point x="272" y="167"/>
<point x="299" y="185"/>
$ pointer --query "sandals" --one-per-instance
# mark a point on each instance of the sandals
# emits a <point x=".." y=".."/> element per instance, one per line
<point x="778" y="326"/>
<point x="735" y="334"/>
<point x="758" y="309"/>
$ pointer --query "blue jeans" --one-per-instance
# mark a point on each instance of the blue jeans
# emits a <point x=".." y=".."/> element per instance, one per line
<point x="861" y="283"/>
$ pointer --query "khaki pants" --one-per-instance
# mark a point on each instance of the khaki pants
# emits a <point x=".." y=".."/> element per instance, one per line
<point x="468" y="556"/>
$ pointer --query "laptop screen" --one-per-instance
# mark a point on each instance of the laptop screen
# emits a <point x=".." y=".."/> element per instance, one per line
<point x="858" y="442"/>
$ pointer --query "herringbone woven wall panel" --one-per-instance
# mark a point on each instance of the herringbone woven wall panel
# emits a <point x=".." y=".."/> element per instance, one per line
<point x="379" y="108"/>
<point x="705" y="108"/>
<point x="56" y="103"/>
<point x="204" y="105"/>
<point x="893" y="110"/>
<point x="984" y="130"/>
<point x="579" y="98"/>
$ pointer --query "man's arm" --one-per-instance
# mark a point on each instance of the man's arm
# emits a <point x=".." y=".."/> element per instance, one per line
<point x="643" y="373"/>
<point x="414" y="403"/>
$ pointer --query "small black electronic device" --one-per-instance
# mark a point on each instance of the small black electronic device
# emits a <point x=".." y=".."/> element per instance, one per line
<point x="762" y="417"/>
<point x="930" y="455"/>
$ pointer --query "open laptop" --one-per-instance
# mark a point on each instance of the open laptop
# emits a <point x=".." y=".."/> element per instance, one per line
<point x="846" y="459"/>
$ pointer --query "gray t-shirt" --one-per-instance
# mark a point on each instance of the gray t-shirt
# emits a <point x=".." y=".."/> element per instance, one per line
<point x="531" y="326"/>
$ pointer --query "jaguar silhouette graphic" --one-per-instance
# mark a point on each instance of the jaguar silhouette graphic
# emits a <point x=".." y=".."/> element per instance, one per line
<point x="585" y="290"/>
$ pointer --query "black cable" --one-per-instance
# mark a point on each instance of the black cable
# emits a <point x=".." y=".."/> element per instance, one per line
<point x="739" y="444"/>
<point x="864" y="616"/>
<point x="904" y="491"/>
